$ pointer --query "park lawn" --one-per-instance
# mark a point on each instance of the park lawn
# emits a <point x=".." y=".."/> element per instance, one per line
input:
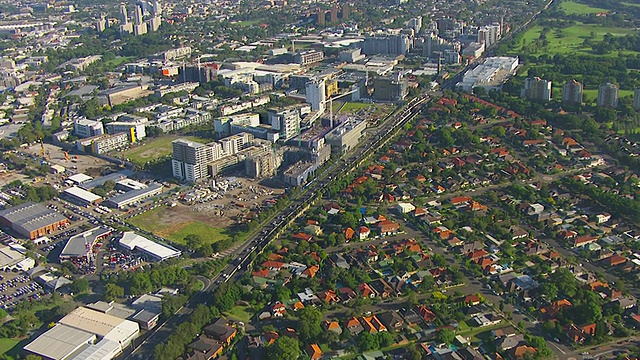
<point x="472" y="332"/>
<point x="590" y="95"/>
<point x="240" y="313"/>
<point x="572" y="7"/>
<point x="154" y="148"/>
<point x="153" y="222"/>
<point x="7" y="344"/>
<point x="571" y="39"/>
<point x="118" y="60"/>
<point x="352" y="107"/>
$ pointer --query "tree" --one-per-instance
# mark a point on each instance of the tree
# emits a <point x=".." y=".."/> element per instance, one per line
<point x="284" y="348"/>
<point x="385" y="339"/>
<point x="194" y="241"/>
<point x="109" y="185"/>
<point x="32" y="357"/>
<point x="445" y="336"/>
<point x="309" y="323"/>
<point x="80" y="285"/>
<point x="413" y="353"/>
<point x="113" y="292"/>
<point x="367" y="341"/>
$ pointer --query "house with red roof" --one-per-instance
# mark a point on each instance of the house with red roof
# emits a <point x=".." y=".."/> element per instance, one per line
<point x="387" y="227"/>
<point x="273" y="265"/>
<point x="348" y="233"/>
<point x="372" y="324"/>
<point x="427" y="315"/>
<point x="314" y="351"/>
<point x="302" y="236"/>
<point x="458" y="200"/>
<point x="584" y="240"/>
<point x="363" y="232"/>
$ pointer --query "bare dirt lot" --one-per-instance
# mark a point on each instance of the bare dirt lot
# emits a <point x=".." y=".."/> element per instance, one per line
<point x="207" y="210"/>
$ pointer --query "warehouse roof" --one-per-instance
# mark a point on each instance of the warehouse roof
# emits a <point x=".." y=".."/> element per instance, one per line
<point x="132" y="241"/>
<point x="133" y="195"/>
<point x="59" y="342"/>
<point x="77" y="245"/>
<point x="82" y="194"/>
<point x="98" y="323"/>
<point x="104" y="349"/>
<point x="79" y="178"/>
<point x="31" y="216"/>
<point x="101" y="180"/>
<point x="9" y="257"/>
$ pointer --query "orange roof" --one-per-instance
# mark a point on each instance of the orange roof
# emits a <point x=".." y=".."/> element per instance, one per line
<point x="353" y="322"/>
<point x="314" y="351"/>
<point x="332" y="325"/>
<point x="275" y="257"/>
<point x="298" y="306"/>
<point x="311" y="271"/>
<point x="348" y="233"/>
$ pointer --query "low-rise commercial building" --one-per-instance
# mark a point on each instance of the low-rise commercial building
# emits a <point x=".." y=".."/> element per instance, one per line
<point x="102" y="144"/>
<point x="78" y="246"/>
<point x="81" y="196"/>
<point x="134" y="196"/>
<point x="131" y="241"/>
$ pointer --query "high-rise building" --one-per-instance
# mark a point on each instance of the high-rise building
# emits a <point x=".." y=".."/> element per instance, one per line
<point x="101" y="24"/>
<point x="124" y="17"/>
<point x="489" y="34"/>
<point x="285" y="121"/>
<point x="607" y="95"/>
<point x="345" y="12"/>
<point x="415" y="24"/>
<point x="316" y="94"/>
<point x="636" y="99"/>
<point x="157" y="8"/>
<point x="334" y="14"/>
<point x="321" y="14"/>
<point x="390" y="88"/>
<point x="536" y="89"/>
<point x="190" y="159"/>
<point x="386" y="44"/>
<point x="572" y="92"/>
<point x="139" y="26"/>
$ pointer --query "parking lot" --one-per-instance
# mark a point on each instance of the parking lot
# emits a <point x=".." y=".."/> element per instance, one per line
<point x="15" y="288"/>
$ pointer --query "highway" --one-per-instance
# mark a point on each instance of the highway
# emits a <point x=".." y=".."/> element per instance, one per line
<point x="241" y="259"/>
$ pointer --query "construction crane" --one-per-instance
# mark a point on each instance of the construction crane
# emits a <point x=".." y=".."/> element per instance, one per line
<point x="41" y="148"/>
<point x="330" y="101"/>
<point x="66" y="156"/>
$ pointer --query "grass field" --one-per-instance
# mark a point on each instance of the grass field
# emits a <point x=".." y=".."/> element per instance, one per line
<point x="7" y="344"/>
<point x="630" y="4"/>
<point x="153" y="149"/>
<point x="570" y="40"/>
<point x="572" y="7"/>
<point x="156" y="221"/>
<point x="240" y="313"/>
<point x="352" y="107"/>
<point x="591" y="95"/>
<point x="119" y="60"/>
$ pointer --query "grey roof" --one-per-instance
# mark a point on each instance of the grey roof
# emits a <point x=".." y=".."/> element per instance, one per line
<point x="31" y="216"/>
<point x="59" y="342"/>
<point x="101" y="180"/>
<point x="145" y="316"/>
<point x="76" y="245"/>
<point x="132" y="195"/>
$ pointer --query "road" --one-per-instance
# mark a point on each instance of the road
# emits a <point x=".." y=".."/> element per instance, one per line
<point x="262" y="237"/>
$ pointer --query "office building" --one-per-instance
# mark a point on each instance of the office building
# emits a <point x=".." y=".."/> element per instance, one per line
<point x="81" y="196"/>
<point x="32" y="220"/>
<point x="316" y="94"/>
<point x="309" y="57"/>
<point x="133" y="126"/>
<point x="390" y="88"/>
<point x="263" y="163"/>
<point x="285" y="121"/>
<point x="190" y="159"/>
<point x="607" y="95"/>
<point x="84" y="128"/>
<point x="536" y="89"/>
<point x="104" y="143"/>
<point x="134" y="196"/>
<point x="572" y="92"/>
<point x="351" y="55"/>
<point x="389" y="44"/>
<point x="636" y="99"/>
<point x="346" y="136"/>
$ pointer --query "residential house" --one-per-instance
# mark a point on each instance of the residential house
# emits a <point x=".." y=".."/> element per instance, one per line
<point x="354" y="326"/>
<point x="372" y="324"/>
<point x="387" y="227"/>
<point x="220" y="331"/>
<point x="332" y="326"/>
<point x="426" y="315"/>
<point x="204" y="348"/>
<point x="363" y="232"/>
<point x="383" y="288"/>
<point x="348" y="233"/>
<point x="278" y="309"/>
<point x="391" y="320"/>
<point x="506" y="343"/>
<point x="521" y="351"/>
<point x="314" y="351"/>
<point x="346" y="294"/>
<point x="367" y="291"/>
<point x="584" y="240"/>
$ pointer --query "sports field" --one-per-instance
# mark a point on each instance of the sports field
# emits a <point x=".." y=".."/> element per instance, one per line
<point x="154" y="148"/>
<point x="7" y="344"/>
<point x="572" y="7"/>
